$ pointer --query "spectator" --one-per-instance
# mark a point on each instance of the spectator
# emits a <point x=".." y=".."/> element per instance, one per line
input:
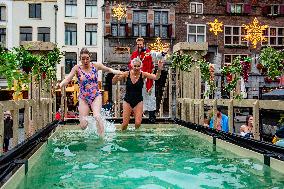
<point x="222" y="121"/>
<point x="279" y="137"/>
<point x="58" y="115"/>
<point x="8" y="130"/>
<point x="246" y="130"/>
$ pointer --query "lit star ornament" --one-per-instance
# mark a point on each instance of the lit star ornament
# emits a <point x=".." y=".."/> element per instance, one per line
<point x="216" y="26"/>
<point x="119" y="12"/>
<point x="255" y="32"/>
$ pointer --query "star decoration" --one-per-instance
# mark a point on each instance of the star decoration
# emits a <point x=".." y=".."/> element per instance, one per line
<point x="255" y="32"/>
<point x="216" y="26"/>
<point x="119" y="12"/>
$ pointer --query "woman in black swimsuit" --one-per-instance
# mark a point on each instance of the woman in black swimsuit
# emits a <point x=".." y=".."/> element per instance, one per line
<point x="133" y="100"/>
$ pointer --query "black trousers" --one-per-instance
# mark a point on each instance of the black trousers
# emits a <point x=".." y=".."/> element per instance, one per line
<point x="6" y="144"/>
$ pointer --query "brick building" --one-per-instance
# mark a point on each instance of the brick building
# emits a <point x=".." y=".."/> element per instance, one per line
<point x="147" y="19"/>
<point x="192" y="17"/>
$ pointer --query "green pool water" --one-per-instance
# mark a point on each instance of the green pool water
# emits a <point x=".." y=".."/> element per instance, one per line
<point x="160" y="157"/>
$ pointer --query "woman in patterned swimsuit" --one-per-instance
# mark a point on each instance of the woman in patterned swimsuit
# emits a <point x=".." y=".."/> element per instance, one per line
<point x="133" y="100"/>
<point x="89" y="96"/>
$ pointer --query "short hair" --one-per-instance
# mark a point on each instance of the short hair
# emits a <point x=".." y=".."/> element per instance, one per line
<point x="219" y="108"/>
<point x="140" y="39"/>
<point x="84" y="51"/>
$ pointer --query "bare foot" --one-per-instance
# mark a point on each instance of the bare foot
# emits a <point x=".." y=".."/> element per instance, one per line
<point x="123" y="127"/>
<point x="83" y="124"/>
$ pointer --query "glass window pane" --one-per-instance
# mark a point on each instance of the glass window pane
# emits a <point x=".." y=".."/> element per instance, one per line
<point x="275" y="9"/>
<point x="200" y="29"/>
<point x="280" y="32"/>
<point x="143" y="17"/>
<point x="143" y="31"/>
<point x="280" y="40"/>
<point x="164" y="17"/>
<point x="157" y="31"/>
<point x="192" y="8"/>
<point x="164" y="32"/>
<point x="272" y="31"/>
<point x="88" y="38"/>
<point x="38" y="11"/>
<point x="2" y="13"/>
<point x="272" y="40"/>
<point x="191" y="38"/>
<point x="239" y="8"/>
<point x="228" y="59"/>
<point x="236" y="30"/>
<point x="192" y="29"/>
<point x="114" y="30"/>
<point x="91" y="2"/>
<point x="228" y="30"/>
<point x="122" y="30"/>
<point x="136" y="30"/>
<point x="136" y="17"/>
<point x="228" y="40"/>
<point x="199" y="8"/>
<point x="157" y="17"/>
<point x="236" y="40"/>
<point x="233" y="8"/>
<point x="200" y="38"/>
<point x="243" y="31"/>
<point x="74" y="38"/>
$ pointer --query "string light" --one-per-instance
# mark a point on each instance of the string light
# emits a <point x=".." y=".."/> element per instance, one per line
<point x="216" y="26"/>
<point x="255" y="32"/>
<point x="158" y="46"/>
<point x="119" y="12"/>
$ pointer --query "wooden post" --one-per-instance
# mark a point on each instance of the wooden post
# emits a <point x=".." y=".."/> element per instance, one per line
<point x="15" y="116"/>
<point x="214" y="113"/>
<point x="26" y="119"/>
<point x="34" y="115"/>
<point x="63" y="93"/>
<point x="1" y="128"/>
<point x="201" y="112"/>
<point x="255" y="110"/>
<point x="231" y="116"/>
<point x="191" y="111"/>
<point x="183" y="109"/>
<point x="170" y="95"/>
<point x="177" y="85"/>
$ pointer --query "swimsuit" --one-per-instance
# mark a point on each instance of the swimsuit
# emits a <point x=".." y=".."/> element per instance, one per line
<point x="88" y="82"/>
<point x="133" y="93"/>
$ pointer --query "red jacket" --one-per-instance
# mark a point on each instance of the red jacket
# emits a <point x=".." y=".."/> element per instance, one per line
<point x="147" y="65"/>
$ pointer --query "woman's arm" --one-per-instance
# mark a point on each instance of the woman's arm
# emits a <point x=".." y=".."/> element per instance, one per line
<point x="119" y="77"/>
<point x="102" y="67"/>
<point x="69" y="77"/>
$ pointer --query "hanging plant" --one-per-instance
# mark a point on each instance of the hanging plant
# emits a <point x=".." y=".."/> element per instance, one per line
<point x="246" y="67"/>
<point x="272" y="60"/>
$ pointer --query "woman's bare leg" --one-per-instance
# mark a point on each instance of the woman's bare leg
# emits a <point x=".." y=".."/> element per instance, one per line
<point x="83" y="113"/>
<point x="138" y="112"/>
<point x="96" y="107"/>
<point x="126" y="115"/>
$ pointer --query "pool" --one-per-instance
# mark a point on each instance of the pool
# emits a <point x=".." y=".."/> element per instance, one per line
<point x="155" y="156"/>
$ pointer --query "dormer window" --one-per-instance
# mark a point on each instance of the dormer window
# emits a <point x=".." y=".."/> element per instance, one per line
<point x="196" y="8"/>
<point x="274" y="10"/>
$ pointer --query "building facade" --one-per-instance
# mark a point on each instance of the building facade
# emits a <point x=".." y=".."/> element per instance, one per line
<point x="6" y="23"/>
<point x="79" y="24"/>
<point x="192" y="17"/>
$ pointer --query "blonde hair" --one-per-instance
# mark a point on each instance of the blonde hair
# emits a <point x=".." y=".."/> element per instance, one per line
<point x="136" y="60"/>
<point x="85" y="51"/>
<point x="140" y="39"/>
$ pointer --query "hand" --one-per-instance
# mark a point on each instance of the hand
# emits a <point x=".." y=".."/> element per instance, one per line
<point x="160" y="65"/>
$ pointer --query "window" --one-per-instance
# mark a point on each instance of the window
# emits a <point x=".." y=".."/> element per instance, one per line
<point x="119" y="28"/>
<point x="43" y="34"/>
<point x="237" y="8"/>
<point x="274" y="36"/>
<point x="2" y="37"/>
<point x="234" y="35"/>
<point x="26" y="33"/>
<point x="70" y="8"/>
<point x="94" y="56"/>
<point x="91" y="34"/>
<point x="70" y="34"/>
<point x="161" y="24"/>
<point x="2" y="13"/>
<point x="140" y="23"/>
<point x="35" y="10"/>
<point x="229" y="58"/>
<point x="70" y="61"/>
<point x="196" y="33"/>
<point x="274" y="10"/>
<point x="196" y="8"/>
<point x="91" y="9"/>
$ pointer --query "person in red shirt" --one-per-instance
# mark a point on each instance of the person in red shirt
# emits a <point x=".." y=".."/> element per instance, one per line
<point x="58" y="115"/>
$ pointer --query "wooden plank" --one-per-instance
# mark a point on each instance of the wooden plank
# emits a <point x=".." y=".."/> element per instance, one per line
<point x="191" y="111"/>
<point x="183" y="109"/>
<point x="170" y="93"/>
<point x="243" y="103"/>
<point x="231" y="116"/>
<point x="255" y="110"/>
<point x="1" y="128"/>
<point x="271" y="104"/>
<point x="201" y="112"/>
<point x="223" y="102"/>
<point x="26" y="119"/>
<point x="15" y="116"/>
<point x="209" y="102"/>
